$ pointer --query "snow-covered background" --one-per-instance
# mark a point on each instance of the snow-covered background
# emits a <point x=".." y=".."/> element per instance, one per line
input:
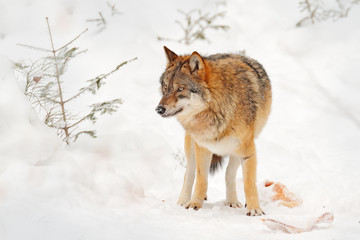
<point x="125" y="183"/>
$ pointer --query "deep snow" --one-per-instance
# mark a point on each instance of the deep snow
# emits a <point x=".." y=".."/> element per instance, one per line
<point x="125" y="184"/>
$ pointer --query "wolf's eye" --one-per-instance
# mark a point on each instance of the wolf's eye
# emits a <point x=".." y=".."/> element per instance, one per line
<point x="165" y="87"/>
<point x="180" y="89"/>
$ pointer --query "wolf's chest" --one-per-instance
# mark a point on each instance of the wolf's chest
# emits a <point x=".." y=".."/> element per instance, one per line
<point x="225" y="146"/>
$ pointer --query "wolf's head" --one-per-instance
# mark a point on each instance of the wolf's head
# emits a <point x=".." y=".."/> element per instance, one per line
<point x="182" y="85"/>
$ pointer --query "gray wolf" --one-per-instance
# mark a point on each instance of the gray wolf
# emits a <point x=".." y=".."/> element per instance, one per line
<point x="223" y="102"/>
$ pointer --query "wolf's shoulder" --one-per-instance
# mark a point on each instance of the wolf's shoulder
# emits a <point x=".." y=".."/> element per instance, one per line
<point x="241" y="59"/>
<point x="222" y="56"/>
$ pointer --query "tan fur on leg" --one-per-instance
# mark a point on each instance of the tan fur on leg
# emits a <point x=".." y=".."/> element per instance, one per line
<point x="203" y="160"/>
<point x="189" y="177"/>
<point x="248" y="152"/>
<point x="230" y="180"/>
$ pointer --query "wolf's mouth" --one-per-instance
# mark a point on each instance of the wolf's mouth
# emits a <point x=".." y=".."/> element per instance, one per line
<point x="171" y="113"/>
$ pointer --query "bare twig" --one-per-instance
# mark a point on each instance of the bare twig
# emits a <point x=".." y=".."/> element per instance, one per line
<point x="34" y="48"/>
<point x="114" y="10"/>
<point x="71" y="40"/>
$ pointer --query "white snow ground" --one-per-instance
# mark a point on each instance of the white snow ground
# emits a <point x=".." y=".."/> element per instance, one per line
<point x="125" y="184"/>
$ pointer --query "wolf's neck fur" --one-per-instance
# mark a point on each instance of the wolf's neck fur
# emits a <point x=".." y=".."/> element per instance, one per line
<point x="206" y="125"/>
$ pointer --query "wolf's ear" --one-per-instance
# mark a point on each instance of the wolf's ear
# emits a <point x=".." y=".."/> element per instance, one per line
<point x="170" y="55"/>
<point x="196" y="62"/>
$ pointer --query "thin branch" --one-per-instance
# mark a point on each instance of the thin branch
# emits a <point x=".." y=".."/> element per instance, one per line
<point x="33" y="47"/>
<point x="102" y="18"/>
<point x="98" y="79"/>
<point x="114" y="11"/>
<point x="71" y="40"/>
<point x="79" y="121"/>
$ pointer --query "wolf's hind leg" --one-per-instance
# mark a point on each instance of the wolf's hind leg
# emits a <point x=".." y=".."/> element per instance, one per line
<point x="248" y="152"/>
<point x="249" y="173"/>
<point x="189" y="177"/>
<point x="251" y="194"/>
<point x="203" y="160"/>
<point x="230" y="180"/>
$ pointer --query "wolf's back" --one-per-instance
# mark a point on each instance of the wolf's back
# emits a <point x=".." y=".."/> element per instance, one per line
<point x="255" y="66"/>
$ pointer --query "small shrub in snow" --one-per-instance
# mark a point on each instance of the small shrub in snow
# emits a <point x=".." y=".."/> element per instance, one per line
<point x="316" y="12"/>
<point x="313" y="10"/>
<point x="44" y="89"/>
<point x="342" y="11"/>
<point x="195" y="24"/>
<point x="101" y="21"/>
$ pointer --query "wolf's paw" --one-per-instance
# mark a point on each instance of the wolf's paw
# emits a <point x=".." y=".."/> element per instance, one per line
<point x="183" y="200"/>
<point x="255" y="212"/>
<point x="234" y="204"/>
<point x="195" y="204"/>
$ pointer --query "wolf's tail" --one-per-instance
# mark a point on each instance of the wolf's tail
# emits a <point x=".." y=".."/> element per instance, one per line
<point x="216" y="162"/>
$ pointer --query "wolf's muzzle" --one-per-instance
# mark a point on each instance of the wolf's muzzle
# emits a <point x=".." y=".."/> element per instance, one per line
<point x="160" y="109"/>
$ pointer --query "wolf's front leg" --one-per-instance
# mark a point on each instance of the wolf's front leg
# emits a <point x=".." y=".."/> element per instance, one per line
<point x="203" y="161"/>
<point x="230" y="180"/>
<point x="189" y="177"/>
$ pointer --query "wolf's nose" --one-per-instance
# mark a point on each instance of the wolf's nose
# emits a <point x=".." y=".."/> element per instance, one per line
<point x="160" y="109"/>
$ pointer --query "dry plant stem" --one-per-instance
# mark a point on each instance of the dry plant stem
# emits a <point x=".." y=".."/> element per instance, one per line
<point x="82" y="119"/>
<point x="32" y="47"/>
<point x="102" y="18"/>
<point x="61" y="102"/>
<point x="66" y="129"/>
<point x="312" y="12"/>
<point x="70" y="41"/>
